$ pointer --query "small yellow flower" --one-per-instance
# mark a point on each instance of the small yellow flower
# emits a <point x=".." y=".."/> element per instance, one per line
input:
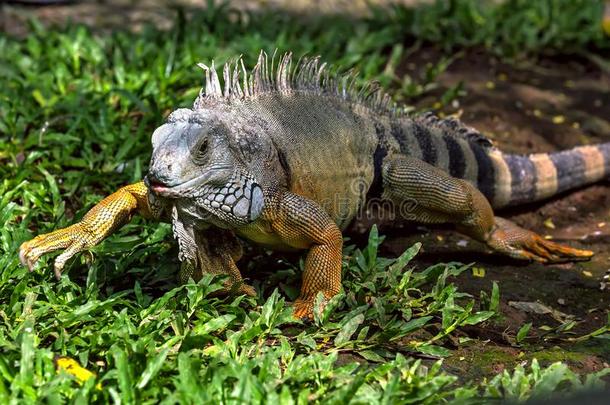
<point x="72" y="367"/>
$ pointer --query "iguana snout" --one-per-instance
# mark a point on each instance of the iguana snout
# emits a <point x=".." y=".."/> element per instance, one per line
<point x="180" y="151"/>
<point x="188" y="154"/>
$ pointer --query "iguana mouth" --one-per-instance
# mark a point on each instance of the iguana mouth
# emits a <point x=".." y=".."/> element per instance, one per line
<point x="184" y="189"/>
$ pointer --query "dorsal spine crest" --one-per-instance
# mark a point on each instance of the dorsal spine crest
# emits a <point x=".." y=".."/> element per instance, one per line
<point x="307" y="76"/>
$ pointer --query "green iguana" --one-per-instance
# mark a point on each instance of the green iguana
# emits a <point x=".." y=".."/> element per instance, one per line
<point x="286" y="157"/>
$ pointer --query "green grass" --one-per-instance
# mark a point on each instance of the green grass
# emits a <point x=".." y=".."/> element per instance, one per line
<point x="76" y="113"/>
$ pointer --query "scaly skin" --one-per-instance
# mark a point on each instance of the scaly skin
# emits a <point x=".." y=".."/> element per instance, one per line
<point x="107" y="216"/>
<point x="287" y="163"/>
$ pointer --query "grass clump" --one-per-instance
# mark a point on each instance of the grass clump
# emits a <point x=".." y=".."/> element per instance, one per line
<point x="76" y="113"/>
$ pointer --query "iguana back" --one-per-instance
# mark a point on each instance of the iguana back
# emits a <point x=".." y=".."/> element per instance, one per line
<point x="332" y="139"/>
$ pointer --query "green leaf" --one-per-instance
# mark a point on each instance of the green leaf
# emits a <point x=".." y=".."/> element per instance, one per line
<point x="214" y="324"/>
<point x="152" y="368"/>
<point x="550" y="379"/>
<point x="125" y="373"/>
<point x="523" y="331"/>
<point x="494" y="303"/>
<point x="414" y="324"/>
<point x="371" y="356"/>
<point x="406" y="257"/>
<point x="478" y="317"/>
<point x="434" y="350"/>
<point x="348" y="329"/>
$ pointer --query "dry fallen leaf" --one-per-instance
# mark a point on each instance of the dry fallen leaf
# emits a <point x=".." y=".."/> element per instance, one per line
<point x="539" y="308"/>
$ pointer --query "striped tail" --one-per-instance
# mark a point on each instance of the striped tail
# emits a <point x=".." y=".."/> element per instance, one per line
<point x="522" y="179"/>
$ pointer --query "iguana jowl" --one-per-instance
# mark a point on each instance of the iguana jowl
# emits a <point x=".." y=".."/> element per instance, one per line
<point x="285" y="157"/>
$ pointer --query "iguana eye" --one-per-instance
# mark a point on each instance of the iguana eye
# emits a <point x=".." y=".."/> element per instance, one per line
<point x="202" y="151"/>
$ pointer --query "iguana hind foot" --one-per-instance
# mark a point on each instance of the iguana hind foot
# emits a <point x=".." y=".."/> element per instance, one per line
<point x="511" y="240"/>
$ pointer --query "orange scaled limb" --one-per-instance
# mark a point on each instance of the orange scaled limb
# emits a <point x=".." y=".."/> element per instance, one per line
<point x="101" y="221"/>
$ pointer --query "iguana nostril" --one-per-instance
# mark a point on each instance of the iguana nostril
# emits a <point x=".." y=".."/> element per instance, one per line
<point x="169" y="167"/>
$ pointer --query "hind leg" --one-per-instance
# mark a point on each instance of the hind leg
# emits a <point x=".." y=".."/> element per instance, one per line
<point x="424" y="193"/>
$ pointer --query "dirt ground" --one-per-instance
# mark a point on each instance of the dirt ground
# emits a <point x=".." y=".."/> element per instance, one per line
<point x="552" y="104"/>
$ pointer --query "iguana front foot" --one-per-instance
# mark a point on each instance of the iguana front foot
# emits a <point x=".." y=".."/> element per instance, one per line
<point x="303" y="307"/>
<point x="212" y="251"/>
<point x="294" y="221"/>
<point x="74" y="239"/>
<point x="519" y="243"/>
<point x="112" y="212"/>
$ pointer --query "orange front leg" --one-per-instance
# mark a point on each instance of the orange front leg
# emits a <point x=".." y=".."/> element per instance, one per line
<point x="103" y="219"/>
<point x="303" y="224"/>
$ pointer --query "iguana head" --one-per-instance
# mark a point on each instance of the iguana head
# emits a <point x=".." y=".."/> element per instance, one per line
<point x="193" y="159"/>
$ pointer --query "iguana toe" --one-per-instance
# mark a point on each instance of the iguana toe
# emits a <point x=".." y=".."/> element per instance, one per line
<point x="303" y="310"/>
<point x="520" y="243"/>
<point x="25" y="258"/>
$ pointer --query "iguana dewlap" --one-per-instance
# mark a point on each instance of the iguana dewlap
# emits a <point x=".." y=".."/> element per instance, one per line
<point x="286" y="157"/>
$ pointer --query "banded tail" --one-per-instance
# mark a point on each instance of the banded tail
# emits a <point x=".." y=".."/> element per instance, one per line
<point x="505" y="179"/>
<point x="521" y="179"/>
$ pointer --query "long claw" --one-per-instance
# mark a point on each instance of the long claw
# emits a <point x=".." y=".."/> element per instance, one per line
<point x="61" y="260"/>
<point x="555" y="253"/>
<point x="110" y="213"/>
<point x="23" y="258"/>
<point x="303" y="308"/>
<point x="520" y="243"/>
<point x="28" y="255"/>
